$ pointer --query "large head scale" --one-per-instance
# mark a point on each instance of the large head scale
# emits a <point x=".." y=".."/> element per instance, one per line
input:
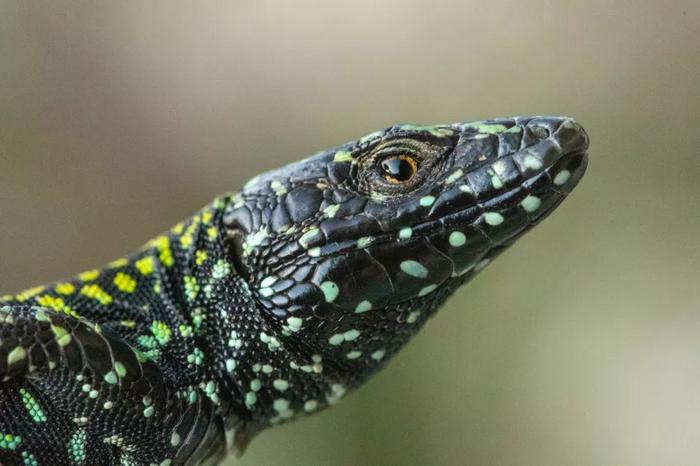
<point x="349" y="251"/>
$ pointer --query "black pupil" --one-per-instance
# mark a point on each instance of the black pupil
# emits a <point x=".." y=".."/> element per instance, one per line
<point x="397" y="168"/>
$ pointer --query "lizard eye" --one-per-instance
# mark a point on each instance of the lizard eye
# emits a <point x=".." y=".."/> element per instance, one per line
<point x="399" y="168"/>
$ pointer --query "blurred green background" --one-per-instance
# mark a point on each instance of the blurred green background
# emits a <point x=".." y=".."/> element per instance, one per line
<point x="580" y="346"/>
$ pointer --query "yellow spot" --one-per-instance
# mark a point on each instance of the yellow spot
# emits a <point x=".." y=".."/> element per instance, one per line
<point x="55" y="303"/>
<point x="162" y="244"/>
<point x="89" y="275"/>
<point x="201" y="257"/>
<point x="30" y="293"/>
<point x="6" y="298"/>
<point x="212" y="232"/>
<point x="187" y="238"/>
<point x="177" y="229"/>
<point x="128" y="323"/>
<point x="145" y="265"/>
<point x="125" y="283"/>
<point x="63" y="338"/>
<point x="65" y="288"/>
<point x="95" y="292"/>
<point x="118" y="263"/>
<point x="206" y="216"/>
<point x="16" y="355"/>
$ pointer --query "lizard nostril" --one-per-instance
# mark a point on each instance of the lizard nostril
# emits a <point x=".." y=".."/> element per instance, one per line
<point x="540" y="131"/>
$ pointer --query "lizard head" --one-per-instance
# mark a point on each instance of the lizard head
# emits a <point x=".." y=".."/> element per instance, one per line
<point x="349" y="251"/>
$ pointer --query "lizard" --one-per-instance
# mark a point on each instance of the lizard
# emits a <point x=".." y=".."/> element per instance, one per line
<point x="273" y="302"/>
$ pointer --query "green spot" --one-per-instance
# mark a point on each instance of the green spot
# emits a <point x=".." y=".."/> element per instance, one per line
<point x="342" y="156"/>
<point x="9" y="442"/>
<point x="330" y="291"/>
<point x="491" y="128"/>
<point x="378" y="355"/>
<point x="308" y="237"/>
<point x="412" y="317"/>
<point x="406" y="233"/>
<point x="63" y="338"/>
<point x="562" y="177"/>
<point x="353" y="355"/>
<point x="427" y="201"/>
<point x="111" y="377"/>
<point x="191" y="288"/>
<point x="435" y="130"/>
<point x="76" y="446"/>
<point x="175" y="439"/>
<point x="230" y="365"/>
<point x="457" y="174"/>
<point x="32" y="406"/>
<point x="148" y="411"/>
<point x="294" y="323"/>
<point x="250" y="399"/>
<point x="280" y="385"/>
<point x="532" y="162"/>
<point x="364" y="242"/>
<point x="331" y="210"/>
<point x="16" y="355"/>
<point x="278" y="188"/>
<point x="496" y="182"/>
<point x="310" y="406"/>
<point x="255" y="385"/>
<point x="457" y="239"/>
<point x="336" y="339"/>
<point x="364" y="306"/>
<point x="280" y="405"/>
<point x="119" y="368"/>
<point x="351" y="335"/>
<point x="427" y="290"/>
<point x="315" y="252"/>
<point x="465" y="189"/>
<point x="493" y="218"/>
<point x="221" y="269"/>
<point x="161" y="332"/>
<point x="531" y="203"/>
<point x="414" y="269"/>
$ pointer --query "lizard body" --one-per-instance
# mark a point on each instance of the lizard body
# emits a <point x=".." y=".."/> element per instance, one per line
<point x="273" y="302"/>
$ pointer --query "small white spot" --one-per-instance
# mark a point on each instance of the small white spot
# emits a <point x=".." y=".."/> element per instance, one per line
<point x="330" y="291"/>
<point x="311" y="405"/>
<point x="414" y="269"/>
<point x="427" y="290"/>
<point x="406" y="233"/>
<point x="280" y="384"/>
<point x="532" y="162"/>
<point x="427" y="201"/>
<point x="562" y="177"/>
<point x="379" y="355"/>
<point x="457" y="239"/>
<point x="493" y="218"/>
<point x="364" y="306"/>
<point x="531" y="203"/>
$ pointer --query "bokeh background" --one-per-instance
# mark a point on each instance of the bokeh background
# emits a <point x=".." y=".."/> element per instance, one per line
<point x="580" y="346"/>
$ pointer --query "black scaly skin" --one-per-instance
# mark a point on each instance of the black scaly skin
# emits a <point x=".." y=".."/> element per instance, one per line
<point x="274" y="302"/>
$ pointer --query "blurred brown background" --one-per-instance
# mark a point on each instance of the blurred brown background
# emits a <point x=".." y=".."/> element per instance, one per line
<point x="581" y="346"/>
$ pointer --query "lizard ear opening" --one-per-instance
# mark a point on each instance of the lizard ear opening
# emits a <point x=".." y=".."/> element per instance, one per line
<point x="236" y="238"/>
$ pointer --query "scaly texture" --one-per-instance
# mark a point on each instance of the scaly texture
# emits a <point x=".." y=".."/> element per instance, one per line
<point x="274" y="302"/>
